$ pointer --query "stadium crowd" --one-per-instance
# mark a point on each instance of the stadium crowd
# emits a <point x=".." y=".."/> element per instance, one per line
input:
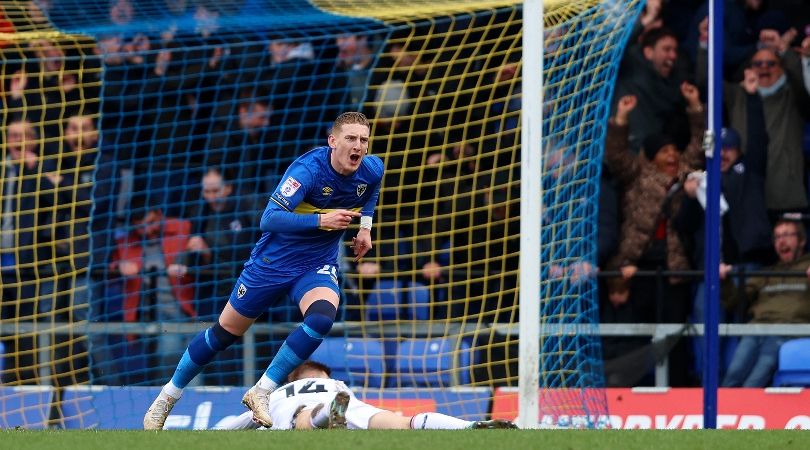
<point x="194" y="129"/>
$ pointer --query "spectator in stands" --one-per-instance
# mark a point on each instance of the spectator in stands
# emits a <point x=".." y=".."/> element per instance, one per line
<point x="182" y="118"/>
<point x="27" y="254"/>
<point x="418" y="245"/>
<point x="51" y="59"/>
<point x="110" y="48"/>
<point x="124" y="103"/>
<point x="137" y="48"/>
<point x="740" y="27"/>
<point x="79" y="171"/>
<point x="786" y="104"/>
<point x="250" y="152"/>
<point x="773" y="299"/>
<point x="223" y="233"/>
<point x="649" y="241"/>
<point x="206" y="18"/>
<point x="74" y="183"/>
<point x="393" y="111"/>
<point x="746" y="233"/>
<point x="143" y="257"/>
<point x="507" y="104"/>
<point x="354" y="61"/>
<point x="22" y="90"/>
<point x="121" y="12"/>
<point x="56" y="82"/>
<point x="652" y="74"/>
<point x="780" y="82"/>
<point x="464" y="186"/>
<point x="78" y="161"/>
<point x="302" y="86"/>
<point x="561" y="170"/>
<point x="408" y="65"/>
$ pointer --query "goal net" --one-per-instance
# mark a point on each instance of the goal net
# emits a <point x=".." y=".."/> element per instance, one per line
<point x="157" y="130"/>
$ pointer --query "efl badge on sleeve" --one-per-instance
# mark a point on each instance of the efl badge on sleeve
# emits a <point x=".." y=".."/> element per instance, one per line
<point x="361" y="189"/>
<point x="290" y="187"/>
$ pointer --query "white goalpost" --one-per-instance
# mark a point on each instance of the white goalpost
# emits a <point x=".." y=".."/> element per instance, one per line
<point x="530" y="213"/>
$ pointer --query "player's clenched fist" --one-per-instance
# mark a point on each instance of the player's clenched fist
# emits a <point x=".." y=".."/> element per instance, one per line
<point x="338" y="219"/>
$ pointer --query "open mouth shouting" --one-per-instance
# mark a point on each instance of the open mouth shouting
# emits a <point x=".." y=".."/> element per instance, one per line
<point x="785" y="252"/>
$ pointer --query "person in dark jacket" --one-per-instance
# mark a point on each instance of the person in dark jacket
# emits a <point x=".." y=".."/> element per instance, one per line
<point x="32" y="192"/>
<point x="746" y="227"/>
<point x="653" y="72"/>
<point x="223" y="234"/>
<point x="746" y="236"/>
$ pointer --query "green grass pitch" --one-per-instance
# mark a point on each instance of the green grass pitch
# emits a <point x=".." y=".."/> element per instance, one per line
<point x="408" y="440"/>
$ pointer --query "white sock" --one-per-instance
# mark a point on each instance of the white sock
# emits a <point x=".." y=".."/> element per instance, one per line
<point x="171" y="390"/>
<point x="321" y="419"/>
<point x="437" y="421"/>
<point x="266" y="383"/>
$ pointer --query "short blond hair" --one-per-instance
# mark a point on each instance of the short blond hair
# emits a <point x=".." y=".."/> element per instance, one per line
<point x="348" y="118"/>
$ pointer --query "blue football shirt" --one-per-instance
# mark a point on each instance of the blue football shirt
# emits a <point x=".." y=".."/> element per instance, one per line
<point x="312" y="186"/>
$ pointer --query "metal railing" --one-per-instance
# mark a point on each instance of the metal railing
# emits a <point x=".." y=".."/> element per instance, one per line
<point x="45" y="331"/>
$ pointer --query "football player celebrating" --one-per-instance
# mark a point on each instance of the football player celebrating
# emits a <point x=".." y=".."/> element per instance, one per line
<point x="320" y="194"/>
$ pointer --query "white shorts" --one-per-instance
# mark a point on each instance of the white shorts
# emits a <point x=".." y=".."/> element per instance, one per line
<point x="358" y="414"/>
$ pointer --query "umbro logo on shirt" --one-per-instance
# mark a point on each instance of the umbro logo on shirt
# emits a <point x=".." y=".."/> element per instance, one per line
<point x="326" y="190"/>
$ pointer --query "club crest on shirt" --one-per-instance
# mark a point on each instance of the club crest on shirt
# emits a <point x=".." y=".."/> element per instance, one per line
<point x="242" y="291"/>
<point x="326" y="191"/>
<point x="361" y="189"/>
<point x="290" y="187"/>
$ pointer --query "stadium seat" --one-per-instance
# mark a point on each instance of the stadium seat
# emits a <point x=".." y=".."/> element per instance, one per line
<point x="358" y="362"/>
<point x="418" y="301"/>
<point x="384" y="301"/>
<point x="433" y="362"/>
<point x="794" y="363"/>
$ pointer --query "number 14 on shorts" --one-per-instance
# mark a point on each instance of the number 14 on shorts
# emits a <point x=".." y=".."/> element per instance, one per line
<point x="310" y="387"/>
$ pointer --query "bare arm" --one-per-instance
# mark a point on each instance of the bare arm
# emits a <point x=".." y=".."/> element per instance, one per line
<point x="387" y="420"/>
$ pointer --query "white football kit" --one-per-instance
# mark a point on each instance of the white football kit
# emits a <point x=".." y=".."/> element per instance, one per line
<point x="305" y="393"/>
